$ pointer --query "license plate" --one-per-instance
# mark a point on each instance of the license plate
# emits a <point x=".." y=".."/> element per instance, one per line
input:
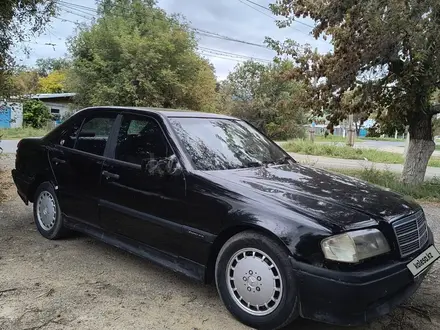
<point x="423" y="261"/>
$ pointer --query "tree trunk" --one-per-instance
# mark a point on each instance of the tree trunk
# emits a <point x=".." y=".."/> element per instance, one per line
<point x="420" y="148"/>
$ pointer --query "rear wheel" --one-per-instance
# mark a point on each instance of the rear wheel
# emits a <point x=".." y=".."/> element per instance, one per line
<point x="47" y="212"/>
<point x="256" y="281"/>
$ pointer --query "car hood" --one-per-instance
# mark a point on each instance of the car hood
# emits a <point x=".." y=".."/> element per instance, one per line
<point x="339" y="199"/>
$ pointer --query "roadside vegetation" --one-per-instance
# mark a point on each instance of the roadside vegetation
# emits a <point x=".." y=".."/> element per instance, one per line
<point x="429" y="190"/>
<point x="390" y="139"/>
<point x="19" y="133"/>
<point x="332" y="138"/>
<point x="345" y="152"/>
<point x="338" y="138"/>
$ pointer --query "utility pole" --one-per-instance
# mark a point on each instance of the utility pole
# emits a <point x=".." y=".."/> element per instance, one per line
<point x="351" y="130"/>
<point x="312" y="132"/>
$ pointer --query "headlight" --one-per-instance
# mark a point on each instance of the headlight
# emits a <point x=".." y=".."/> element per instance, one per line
<point x="355" y="246"/>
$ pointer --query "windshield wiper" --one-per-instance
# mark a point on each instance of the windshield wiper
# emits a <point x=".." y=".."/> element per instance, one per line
<point x="254" y="164"/>
<point x="284" y="160"/>
<point x="279" y="161"/>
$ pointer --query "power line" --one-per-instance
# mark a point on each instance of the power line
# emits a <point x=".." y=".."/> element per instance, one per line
<point x="257" y="4"/>
<point x="196" y="30"/>
<point x="223" y="57"/>
<point x="233" y="55"/>
<point x="66" y="20"/>
<point x="79" y="15"/>
<point x="270" y="16"/>
<point x="244" y="3"/>
<point x="94" y="10"/>
<point x="268" y="9"/>
<point x="82" y="12"/>
<point x="200" y="32"/>
<point x="220" y="36"/>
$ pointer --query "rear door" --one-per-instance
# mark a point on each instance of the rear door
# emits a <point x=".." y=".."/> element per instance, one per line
<point x="139" y="200"/>
<point x="77" y="160"/>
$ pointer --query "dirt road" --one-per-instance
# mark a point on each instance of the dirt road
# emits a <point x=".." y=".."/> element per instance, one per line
<point x="80" y="283"/>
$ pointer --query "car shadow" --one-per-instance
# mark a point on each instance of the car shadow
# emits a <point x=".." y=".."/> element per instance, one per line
<point x="205" y="291"/>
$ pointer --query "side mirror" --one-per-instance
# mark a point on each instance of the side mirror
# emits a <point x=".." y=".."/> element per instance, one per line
<point x="169" y="166"/>
<point x="173" y="166"/>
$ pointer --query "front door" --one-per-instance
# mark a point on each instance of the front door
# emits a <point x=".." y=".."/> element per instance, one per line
<point x="76" y="159"/>
<point x="140" y="199"/>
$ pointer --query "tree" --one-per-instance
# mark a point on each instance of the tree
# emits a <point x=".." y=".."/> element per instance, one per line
<point x="35" y="114"/>
<point x="54" y="82"/>
<point x="20" y="19"/>
<point x="26" y="82"/>
<point x="137" y="55"/>
<point x="389" y="51"/>
<point x="259" y="94"/>
<point x="352" y="103"/>
<point x="45" y="66"/>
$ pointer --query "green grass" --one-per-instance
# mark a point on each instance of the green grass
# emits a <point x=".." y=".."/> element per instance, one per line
<point x="429" y="190"/>
<point x="332" y="138"/>
<point x="345" y="152"/>
<point x="437" y="147"/>
<point x="383" y="139"/>
<point x="19" y="133"/>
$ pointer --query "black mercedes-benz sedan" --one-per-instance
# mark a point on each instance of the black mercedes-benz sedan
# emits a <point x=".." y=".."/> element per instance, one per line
<point x="211" y="197"/>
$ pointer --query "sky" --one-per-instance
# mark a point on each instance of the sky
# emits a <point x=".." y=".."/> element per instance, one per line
<point x="238" y="19"/>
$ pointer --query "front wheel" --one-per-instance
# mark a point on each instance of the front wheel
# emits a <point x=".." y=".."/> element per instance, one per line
<point x="256" y="281"/>
<point x="47" y="212"/>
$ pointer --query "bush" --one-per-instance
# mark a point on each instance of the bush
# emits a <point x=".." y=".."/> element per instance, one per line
<point x="429" y="190"/>
<point x="288" y="130"/>
<point x="345" y="152"/>
<point x="35" y="114"/>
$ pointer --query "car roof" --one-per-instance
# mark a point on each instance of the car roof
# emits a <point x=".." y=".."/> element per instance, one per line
<point x="169" y="113"/>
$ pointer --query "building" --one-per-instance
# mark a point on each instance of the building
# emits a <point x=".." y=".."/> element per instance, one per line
<point x="11" y="114"/>
<point x="59" y="104"/>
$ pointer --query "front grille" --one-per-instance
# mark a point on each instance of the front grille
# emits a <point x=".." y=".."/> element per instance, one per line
<point x="411" y="233"/>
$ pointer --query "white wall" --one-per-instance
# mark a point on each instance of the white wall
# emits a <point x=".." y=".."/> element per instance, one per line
<point x="16" y="114"/>
<point x="63" y="107"/>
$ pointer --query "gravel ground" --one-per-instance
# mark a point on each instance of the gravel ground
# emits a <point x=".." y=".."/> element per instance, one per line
<point x="80" y="283"/>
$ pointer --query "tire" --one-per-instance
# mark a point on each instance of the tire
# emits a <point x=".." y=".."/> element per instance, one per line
<point x="234" y="280"/>
<point x="47" y="212"/>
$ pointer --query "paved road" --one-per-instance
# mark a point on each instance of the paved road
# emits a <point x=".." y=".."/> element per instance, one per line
<point x="327" y="162"/>
<point x="9" y="146"/>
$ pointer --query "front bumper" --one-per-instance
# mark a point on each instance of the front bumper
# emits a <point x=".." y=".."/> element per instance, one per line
<point x="354" y="298"/>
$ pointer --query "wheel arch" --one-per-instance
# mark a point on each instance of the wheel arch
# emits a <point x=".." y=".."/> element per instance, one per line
<point x="38" y="180"/>
<point x="229" y="232"/>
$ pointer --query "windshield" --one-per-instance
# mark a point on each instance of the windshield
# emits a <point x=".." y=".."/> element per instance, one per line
<point x="222" y="144"/>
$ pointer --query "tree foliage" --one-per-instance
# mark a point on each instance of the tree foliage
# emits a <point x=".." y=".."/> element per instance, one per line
<point x="54" y="82"/>
<point x="137" y="55"/>
<point x="19" y="19"/>
<point x="260" y="94"/>
<point x="35" y="114"/>
<point x="46" y="66"/>
<point x="388" y="52"/>
<point x="25" y="82"/>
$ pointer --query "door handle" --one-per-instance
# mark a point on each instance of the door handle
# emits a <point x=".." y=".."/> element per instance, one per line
<point x="110" y="175"/>
<point x="58" y="160"/>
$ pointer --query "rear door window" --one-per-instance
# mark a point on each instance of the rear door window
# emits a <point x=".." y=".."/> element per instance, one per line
<point x="95" y="133"/>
